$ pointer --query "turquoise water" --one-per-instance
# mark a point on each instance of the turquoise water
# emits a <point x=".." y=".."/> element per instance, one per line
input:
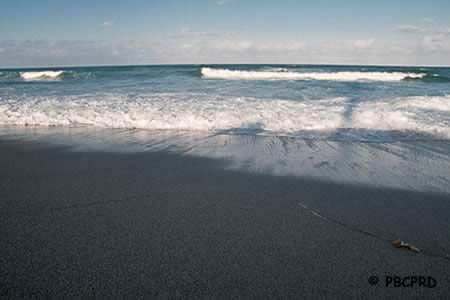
<point x="359" y="103"/>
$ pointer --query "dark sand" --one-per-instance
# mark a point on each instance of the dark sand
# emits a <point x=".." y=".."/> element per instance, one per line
<point x="158" y="225"/>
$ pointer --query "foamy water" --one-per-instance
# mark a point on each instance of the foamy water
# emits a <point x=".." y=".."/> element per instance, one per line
<point x="325" y="102"/>
<point x="417" y="114"/>
<point x="384" y="126"/>
<point x="41" y="75"/>
<point x="167" y="111"/>
<point x="285" y="74"/>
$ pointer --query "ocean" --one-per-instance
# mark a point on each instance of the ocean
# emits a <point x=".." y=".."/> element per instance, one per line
<point x="359" y="124"/>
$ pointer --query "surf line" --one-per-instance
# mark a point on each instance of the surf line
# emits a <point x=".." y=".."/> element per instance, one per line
<point x="361" y="231"/>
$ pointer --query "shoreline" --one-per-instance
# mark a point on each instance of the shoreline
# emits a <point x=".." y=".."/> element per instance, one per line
<point x="159" y="224"/>
<point x="416" y="165"/>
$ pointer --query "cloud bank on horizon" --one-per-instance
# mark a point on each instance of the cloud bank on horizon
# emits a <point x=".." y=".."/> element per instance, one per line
<point x="224" y="31"/>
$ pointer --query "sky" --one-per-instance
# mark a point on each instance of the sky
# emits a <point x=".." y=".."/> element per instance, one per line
<point x="105" y="32"/>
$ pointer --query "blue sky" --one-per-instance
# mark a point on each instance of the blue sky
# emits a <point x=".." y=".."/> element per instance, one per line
<point x="41" y="33"/>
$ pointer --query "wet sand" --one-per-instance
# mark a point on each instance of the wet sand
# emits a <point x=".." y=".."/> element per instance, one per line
<point x="161" y="225"/>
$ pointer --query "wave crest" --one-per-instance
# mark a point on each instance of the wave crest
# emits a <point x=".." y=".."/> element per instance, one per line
<point x="204" y="112"/>
<point x="167" y="111"/>
<point x="288" y="75"/>
<point x="41" y="75"/>
<point x="418" y="114"/>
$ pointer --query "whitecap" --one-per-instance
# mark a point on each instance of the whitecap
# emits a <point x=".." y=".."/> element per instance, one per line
<point x="286" y="75"/>
<point x="41" y="75"/>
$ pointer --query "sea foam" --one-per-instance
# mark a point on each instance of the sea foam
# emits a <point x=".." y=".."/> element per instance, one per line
<point x="204" y="112"/>
<point x="290" y="75"/>
<point x="418" y="114"/>
<point x="41" y="75"/>
<point x="174" y="111"/>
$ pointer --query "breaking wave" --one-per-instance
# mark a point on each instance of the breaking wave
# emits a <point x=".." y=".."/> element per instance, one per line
<point x="203" y="112"/>
<point x="165" y="111"/>
<point x="11" y="76"/>
<point x="289" y="75"/>
<point x="419" y="114"/>
<point x="265" y="73"/>
<point x="41" y="75"/>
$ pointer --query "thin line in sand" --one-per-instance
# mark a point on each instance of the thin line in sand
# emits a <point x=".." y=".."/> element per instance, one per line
<point x="358" y="230"/>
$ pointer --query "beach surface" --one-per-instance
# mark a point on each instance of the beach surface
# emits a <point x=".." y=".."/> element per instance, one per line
<point x="84" y="224"/>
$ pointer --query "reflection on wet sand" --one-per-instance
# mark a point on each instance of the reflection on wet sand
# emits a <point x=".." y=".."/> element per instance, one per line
<point x="420" y="165"/>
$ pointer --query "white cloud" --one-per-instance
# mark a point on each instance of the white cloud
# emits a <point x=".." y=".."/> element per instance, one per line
<point x="187" y="45"/>
<point x="71" y="52"/>
<point x="186" y="38"/>
<point x="436" y="43"/>
<point x="412" y="29"/>
<point x="188" y="33"/>
<point x="230" y="45"/>
<point x="107" y="24"/>
<point x="282" y="47"/>
<point x="399" y="50"/>
<point x="222" y="2"/>
<point x="429" y="30"/>
<point x="363" y="44"/>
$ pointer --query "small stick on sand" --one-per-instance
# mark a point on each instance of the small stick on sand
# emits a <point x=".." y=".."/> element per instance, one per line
<point x="400" y="244"/>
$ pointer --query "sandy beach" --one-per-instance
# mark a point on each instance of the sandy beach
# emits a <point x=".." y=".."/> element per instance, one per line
<point x="161" y="225"/>
<point x="225" y="149"/>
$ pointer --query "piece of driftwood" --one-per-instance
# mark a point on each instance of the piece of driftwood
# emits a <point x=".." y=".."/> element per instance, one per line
<point x="402" y="245"/>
